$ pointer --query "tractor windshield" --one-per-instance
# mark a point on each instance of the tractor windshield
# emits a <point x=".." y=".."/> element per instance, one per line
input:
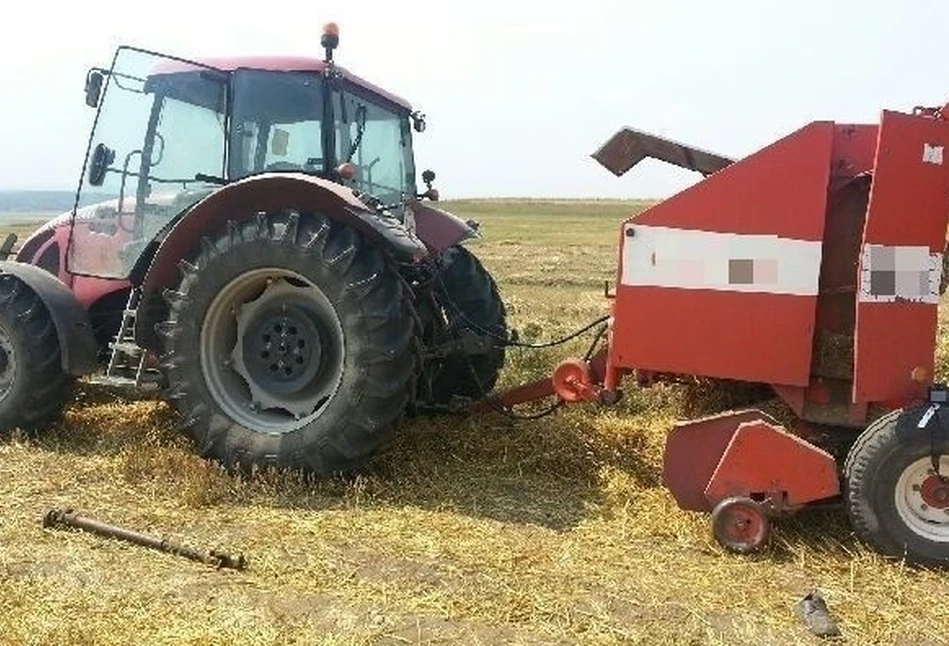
<point x="376" y="138"/>
<point x="156" y="149"/>
<point x="276" y="123"/>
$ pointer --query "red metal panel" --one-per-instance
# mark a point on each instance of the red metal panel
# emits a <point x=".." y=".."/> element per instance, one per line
<point x="694" y="449"/>
<point x="746" y="336"/>
<point x="781" y="190"/>
<point x="892" y="339"/>
<point x="909" y="199"/>
<point x="766" y="459"/>
<point x="909" y="204"/>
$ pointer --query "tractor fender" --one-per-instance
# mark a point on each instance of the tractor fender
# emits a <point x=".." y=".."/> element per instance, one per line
<point x="439" y="229"/>
<point x="245" y="198"/>
<point x="77" y="344"/>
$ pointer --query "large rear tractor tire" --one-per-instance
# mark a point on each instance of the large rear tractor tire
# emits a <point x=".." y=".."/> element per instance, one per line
<point x="33" y="386"/>
<point x="469" y="300"/>
<point x="895" y="500"/>
<point x="290" y="343"/>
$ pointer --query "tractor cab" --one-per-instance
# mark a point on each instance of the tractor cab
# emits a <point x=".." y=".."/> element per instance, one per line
<point x="169" y="132"/>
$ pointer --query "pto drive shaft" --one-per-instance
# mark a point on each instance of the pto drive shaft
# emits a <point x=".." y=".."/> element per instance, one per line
<point x="68" y="518"/>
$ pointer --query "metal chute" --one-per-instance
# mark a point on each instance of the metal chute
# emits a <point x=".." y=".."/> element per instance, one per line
<point x="628" y="147"/>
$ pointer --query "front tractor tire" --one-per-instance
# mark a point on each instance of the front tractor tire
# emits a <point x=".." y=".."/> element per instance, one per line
<point x="290" y="343"/>
<point x="469" y="303"/>
<point x="33" y="386"/>
<point x="896" y="501"/>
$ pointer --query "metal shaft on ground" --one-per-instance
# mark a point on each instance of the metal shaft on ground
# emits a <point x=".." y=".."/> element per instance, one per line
<point x="68" y="518"/>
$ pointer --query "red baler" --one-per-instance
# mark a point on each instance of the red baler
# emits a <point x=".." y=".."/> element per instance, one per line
<point x="815" y="266"/>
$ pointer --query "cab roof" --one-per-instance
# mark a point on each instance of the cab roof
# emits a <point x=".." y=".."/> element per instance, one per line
<point x="285" y="64"/>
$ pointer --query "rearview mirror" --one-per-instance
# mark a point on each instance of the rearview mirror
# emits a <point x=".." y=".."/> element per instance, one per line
<point x="102" y="158"/>
<point x="428" y="176"/>
<point x="418" y="121"/>
<point x="93" y="88"/>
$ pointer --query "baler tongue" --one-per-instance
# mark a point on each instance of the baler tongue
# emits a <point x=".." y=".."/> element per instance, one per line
<point x="628" y="147"/>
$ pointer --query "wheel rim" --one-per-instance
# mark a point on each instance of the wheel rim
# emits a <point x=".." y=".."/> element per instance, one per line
<point x="272" y="350"/>
<point x="7" y="363"/>
<point x="741" y="526"/>
<point x="922" y="499"/>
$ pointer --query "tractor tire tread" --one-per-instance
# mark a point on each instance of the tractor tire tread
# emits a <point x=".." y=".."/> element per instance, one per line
<point x="868" y="466"/>
<point x="43" y="395"/>
<point x="855" y="476"/>
<point x="380" y="311"/>
<point x="470" y="288"/>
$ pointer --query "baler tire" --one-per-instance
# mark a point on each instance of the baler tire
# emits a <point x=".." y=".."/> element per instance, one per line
<point x="468" y="295"/>
<point x="374" y="363"/>
<point x="872" y="474"/>
<point x="745" y="539"/>
<point x="40" y="387"/>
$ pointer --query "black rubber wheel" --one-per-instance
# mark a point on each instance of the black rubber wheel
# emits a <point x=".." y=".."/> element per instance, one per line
<point x="895" y="501"/>
<point x="290" y="343"/>
<point x="740" y="525"/>
<point x="33" y="386"/>
<point x="469" y="299"/>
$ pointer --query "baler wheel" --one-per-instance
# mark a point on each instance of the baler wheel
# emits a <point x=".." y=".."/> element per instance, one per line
<point x="740" y="525"/>
<point x="896" y="500"/>
<point x="291" y="344"/>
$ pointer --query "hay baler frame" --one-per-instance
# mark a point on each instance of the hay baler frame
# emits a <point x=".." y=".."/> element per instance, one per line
<point x="815" y="266"/>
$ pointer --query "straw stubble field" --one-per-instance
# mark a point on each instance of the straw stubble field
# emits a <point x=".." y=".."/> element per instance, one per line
<point x="466" y="531"/>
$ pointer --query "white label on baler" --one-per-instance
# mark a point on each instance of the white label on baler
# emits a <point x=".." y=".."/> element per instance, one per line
<point x="932" y="154"/>
<point x="889" y="274"/>
<point x="690" y="259"/>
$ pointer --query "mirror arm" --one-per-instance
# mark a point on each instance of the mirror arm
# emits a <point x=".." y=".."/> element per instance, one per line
<point x="125" y="174"/>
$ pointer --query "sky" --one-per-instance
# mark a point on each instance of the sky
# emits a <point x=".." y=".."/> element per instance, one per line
<point x="518" y="94"/>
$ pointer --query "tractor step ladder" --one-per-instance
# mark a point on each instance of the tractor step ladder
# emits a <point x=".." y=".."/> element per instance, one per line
<point x="127" y="363"/>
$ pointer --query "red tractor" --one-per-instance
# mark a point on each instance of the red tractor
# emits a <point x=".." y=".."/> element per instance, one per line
<point x="248" y="234"/>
